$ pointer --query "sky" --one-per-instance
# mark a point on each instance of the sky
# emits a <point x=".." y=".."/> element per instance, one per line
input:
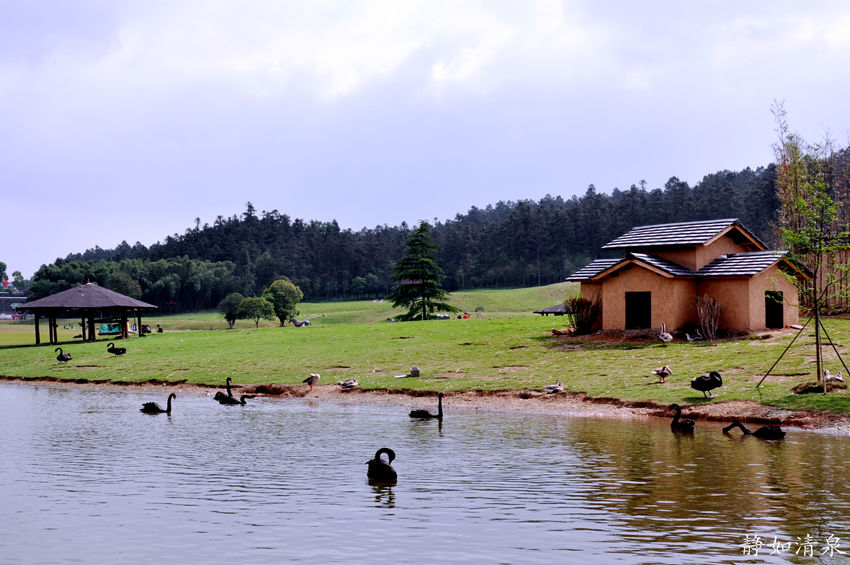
<point x="125" y="120"/>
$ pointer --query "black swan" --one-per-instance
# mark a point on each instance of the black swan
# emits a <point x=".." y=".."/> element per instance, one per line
<point x="682" y="426"/>
<point x="154" y="408"/>
<point x="220" y="395"/>
<point x="662" y="373"/>
<point x="312" y="380"/>
<point x="552" y="389"/>
<point x="230" y="401"/>
<point x="380" y="471"/>
<point x="116" y="350"/>
<point x="424" y="414"/>
<point x="706" y="383"/>
<point x="765" y="432"/>
<point x="62" y="357"/>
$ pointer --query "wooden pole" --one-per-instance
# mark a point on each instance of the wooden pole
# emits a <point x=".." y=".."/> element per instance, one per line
<point x="37" y="334"/>
<point x="92" y="335"/>
<point x="819" y="360"/>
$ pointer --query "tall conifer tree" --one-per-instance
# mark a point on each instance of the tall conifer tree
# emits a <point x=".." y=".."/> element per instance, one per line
<point x="418" y="277"/>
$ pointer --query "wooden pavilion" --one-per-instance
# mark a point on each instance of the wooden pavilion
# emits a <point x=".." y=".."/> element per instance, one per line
<point x="93" y="304"/>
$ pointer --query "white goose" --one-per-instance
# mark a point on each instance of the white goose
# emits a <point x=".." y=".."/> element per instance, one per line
<point x="552" y="389"/>
<point x="664" y="335"/>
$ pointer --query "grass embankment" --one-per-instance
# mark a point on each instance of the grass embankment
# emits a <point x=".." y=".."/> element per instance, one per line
<point x="508" y="348"/>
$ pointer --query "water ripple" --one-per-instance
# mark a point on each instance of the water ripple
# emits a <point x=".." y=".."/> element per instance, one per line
<point x="284" y="480"/>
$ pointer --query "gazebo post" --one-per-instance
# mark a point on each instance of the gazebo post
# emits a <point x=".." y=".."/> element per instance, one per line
<point x="37" y="335"/>
<point x="139" y="332"/>
<point x="83" y="324"/>
<point x="124" y="333"/>
<point x="90" y="313"/>
<point x="51" y="322"/>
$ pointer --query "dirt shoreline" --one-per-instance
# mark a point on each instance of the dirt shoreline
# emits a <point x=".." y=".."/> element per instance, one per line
<point x="526" y="401"/>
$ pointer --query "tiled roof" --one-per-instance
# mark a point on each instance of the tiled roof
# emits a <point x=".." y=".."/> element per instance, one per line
<point x="737" y="265"/>
<point x="741" y="264"/>
<point x="675" y="234"/>
<point x="663" y="264"/>
<point x="592" y="269"/>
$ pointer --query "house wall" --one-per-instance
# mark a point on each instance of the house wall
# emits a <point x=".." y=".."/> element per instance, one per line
<point x="684" y="257"/>
<point x="741" y="300"/>
<point x="695" y="258"/>
<point x="733" y="297"/>
<point x="773" y="279"/>
<point x="673" y="300"/>
<point x="723" y="246"/>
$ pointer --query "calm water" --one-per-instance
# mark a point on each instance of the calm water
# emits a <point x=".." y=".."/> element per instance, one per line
<point x="87" y="478"/>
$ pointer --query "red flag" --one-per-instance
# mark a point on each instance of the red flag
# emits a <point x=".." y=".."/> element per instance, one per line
<point x="5" y="282"/>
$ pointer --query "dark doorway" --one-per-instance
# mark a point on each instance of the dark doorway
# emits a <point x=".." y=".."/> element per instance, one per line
<point x="638" y="310"/>
<point x="773" y="311"/>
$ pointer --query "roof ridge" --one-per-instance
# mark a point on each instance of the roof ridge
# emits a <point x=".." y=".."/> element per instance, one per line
<point x="730" y="220"/>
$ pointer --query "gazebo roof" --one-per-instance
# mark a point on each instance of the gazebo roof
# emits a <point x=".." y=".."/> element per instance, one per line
<point x="87" y="296"/>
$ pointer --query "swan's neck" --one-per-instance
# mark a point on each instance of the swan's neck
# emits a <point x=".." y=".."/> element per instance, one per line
<point x="168" y="408"/>
<point x="440" y="407"/>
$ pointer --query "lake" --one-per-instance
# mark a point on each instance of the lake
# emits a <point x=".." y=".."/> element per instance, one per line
<point x="88" y="478"/>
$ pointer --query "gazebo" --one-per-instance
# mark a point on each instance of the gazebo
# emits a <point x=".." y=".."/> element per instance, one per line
<point x="90" y="302"/>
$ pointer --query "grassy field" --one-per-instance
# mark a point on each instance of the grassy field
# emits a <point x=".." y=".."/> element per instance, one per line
<point x="507" y="348"/>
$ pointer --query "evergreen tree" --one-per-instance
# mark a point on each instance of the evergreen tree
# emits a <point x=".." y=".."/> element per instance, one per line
<point x="418" y="278"/>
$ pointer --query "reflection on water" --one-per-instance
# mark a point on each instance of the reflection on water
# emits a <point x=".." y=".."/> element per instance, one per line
<point x="89" y="479"/>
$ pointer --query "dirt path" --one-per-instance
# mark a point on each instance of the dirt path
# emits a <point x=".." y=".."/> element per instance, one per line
<point x="574" y="404"/>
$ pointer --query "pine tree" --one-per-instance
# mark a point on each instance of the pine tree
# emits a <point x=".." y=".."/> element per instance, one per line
<point x="418" y="278"/>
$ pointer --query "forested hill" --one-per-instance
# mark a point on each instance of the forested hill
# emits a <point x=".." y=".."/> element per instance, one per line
<point x="509" y="244"/>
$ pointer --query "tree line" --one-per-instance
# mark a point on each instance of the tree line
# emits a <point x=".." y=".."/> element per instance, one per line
<point x="509" y="244"/>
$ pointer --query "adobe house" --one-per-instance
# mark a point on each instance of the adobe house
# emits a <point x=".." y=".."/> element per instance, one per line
<point x="667" y="266"/>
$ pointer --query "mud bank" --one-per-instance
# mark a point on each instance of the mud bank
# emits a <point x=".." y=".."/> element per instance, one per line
<point x="527" y="401"/>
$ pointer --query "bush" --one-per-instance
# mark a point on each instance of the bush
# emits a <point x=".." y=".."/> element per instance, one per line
<point x="708" y="313"/>
<point x="583" y="313"/>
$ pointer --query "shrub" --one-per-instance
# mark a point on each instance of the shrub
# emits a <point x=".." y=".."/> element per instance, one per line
<point x="583" y="313"/>
<point x="708" y="313"/>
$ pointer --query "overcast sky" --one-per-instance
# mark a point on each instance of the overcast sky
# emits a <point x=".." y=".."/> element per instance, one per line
<point x="126" y="120"/>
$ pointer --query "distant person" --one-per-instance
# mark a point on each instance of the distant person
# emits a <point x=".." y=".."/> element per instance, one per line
<point x="159" y="329"/>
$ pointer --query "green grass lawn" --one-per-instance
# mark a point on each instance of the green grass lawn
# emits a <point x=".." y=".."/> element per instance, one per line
<point x="507" y="348"/>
